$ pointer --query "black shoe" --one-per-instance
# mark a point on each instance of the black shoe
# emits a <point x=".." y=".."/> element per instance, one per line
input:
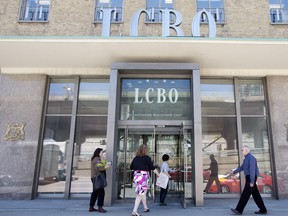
<point x="162" y="204"/>
<point x="260" y="212"/>
<point x="236" y="212"/>
<point x="91" y="209"/>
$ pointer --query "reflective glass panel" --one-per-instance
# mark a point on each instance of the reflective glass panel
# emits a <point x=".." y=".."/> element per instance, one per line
<point x="217" y="97"/>
<point x="155" y="99"/>
<point x="219" y="143"/>
<point x="93" y="96"/>
<point x="251" y="93"/>
<point x="53" y="165"/>
<point x="91" y="133"/>
<point x="254" y="135"/>
<point x="122" y="176"/>
<point x="60" y="97"/>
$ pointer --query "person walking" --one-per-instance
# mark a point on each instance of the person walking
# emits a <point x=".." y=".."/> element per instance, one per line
<point x="251" y="172"/>
<point x="165" y="169"/>
<point x="98" y="165"/>
<point x="141" y="165"/>
<point x="213" y="174"/>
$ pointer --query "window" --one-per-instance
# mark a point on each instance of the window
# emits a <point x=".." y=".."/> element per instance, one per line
<point x="278" y="11"/>
<point x="155" y="7"/>
<point x="115" y="5"/>
<point x="215" y="7"/>
<point x="86" y="123"/>
<point x="34" y="10"/>
<point x="223" y="133"/>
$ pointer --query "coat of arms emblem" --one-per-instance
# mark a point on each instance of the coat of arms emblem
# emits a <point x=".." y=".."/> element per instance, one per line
<point x="15" y="131"/>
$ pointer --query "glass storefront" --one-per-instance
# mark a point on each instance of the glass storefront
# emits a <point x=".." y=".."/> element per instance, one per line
<point x="234" y="115"/>
<point x="158" y="112"/>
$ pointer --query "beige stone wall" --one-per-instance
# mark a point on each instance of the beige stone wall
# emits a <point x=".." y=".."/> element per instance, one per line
<point x="21" y="102"/>
<point x="244" y="19"/>
<point x="277" y="89"/>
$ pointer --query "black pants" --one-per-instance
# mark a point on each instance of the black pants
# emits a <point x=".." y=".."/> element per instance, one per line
<point x="100" y="194"/>
<point x="163" y="193"/>
<point x="247" y="192"/>
<point x="210" y="182"/>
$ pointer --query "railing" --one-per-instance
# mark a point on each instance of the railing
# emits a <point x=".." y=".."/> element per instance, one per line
<point x="116" y="15"/>
<point x="156" y="15"/>
<point x="217" y="13"/>
<point x="34" y="13"/>
<point x="278" y="16"/>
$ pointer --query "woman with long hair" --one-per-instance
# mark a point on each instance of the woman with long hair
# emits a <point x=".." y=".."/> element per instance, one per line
<point x="98" y="165"/>
<point x="141" y="165"/>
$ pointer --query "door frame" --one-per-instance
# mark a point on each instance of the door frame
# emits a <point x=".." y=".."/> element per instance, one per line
<point x="119" y="70"/>
<point x="153" y="131"/>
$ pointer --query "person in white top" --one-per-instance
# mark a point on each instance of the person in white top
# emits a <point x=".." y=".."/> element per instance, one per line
<point x="166" y="169"/>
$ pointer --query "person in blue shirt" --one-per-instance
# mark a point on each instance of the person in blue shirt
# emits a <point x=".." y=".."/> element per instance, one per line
<point x="251" y="171"/>
<point x="165" y="169"/>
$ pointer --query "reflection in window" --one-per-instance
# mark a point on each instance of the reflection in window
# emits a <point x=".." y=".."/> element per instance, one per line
<point x="53" y="164"/>
<point x="278" y="11"/>
<point x="217" y="97"/>
<point x="215" y="7"/>
<point x="60" y="97"/>
<point x="254" y="134"/>
<point x="34" y="10"/>
<point x="115" y="5"/>
<point x="155" y="7"/>
<point x="90" y="134"/>
<point x="220" y="140"/>
<point x="252" y="97"/>
<point x="219" y="134"/>
<point x="93" y="97"/>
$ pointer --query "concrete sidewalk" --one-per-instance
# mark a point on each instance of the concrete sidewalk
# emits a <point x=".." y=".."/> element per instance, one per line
<point x="215" y="207"/>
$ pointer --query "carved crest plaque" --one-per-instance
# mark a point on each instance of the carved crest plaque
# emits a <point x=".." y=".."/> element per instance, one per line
<point x="15" y="131"/>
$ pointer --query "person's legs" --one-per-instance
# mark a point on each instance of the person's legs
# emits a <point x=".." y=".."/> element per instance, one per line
<point x="258" y="199"/>
<point x="163" y="193"/>
<point x="244" y="196"/>
<point x="143" y="199"/>
<point x="93" y="199"/>
<point x="101" y="196"/>
<point x="218" y="184"/>
<point x="137" y="203"/>
<point x="209" y="183"/>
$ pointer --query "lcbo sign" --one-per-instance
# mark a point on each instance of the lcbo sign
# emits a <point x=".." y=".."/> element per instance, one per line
<point x="160" y="93"/>
<point x="166" y="25"/>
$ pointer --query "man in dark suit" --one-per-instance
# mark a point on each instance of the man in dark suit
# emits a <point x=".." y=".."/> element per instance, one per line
<point x="251" y="172"/>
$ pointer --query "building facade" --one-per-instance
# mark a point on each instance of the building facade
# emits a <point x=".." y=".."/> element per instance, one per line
<point x="186" y="78"/>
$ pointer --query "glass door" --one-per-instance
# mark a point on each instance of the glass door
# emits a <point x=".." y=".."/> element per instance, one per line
<point x="129" y="140"/>
<point x="172" y="140"/>
<point x="185" y="155"/>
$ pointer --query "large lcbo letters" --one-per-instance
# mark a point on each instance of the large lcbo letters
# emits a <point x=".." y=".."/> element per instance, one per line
<point x="160" y="95"/>
<point x="166" y="25"/>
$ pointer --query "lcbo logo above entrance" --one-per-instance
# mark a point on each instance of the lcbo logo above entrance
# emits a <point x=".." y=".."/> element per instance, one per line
<point x="161" y="96"/>
<point x="166" y="25"/>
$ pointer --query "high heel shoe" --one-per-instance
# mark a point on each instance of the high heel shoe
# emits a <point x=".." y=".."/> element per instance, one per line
<point x="135" y="214"/>
<point x="146" y="210"/>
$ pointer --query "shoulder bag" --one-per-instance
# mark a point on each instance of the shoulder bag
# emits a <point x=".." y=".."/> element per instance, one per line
<point x="99" y="181"/>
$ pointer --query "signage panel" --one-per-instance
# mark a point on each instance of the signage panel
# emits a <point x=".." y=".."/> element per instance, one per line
<point x="155" y="99"/>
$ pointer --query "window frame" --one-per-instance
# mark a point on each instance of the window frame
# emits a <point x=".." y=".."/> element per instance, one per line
<point x="115" y="17"/>
<point x="156" y="11"/>
<point x="218" y="13"/>
<point x="277" y="14"/>
<point x="39" y="13"/>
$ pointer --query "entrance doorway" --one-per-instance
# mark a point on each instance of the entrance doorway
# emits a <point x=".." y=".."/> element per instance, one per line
<point x="165" y="139"/>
